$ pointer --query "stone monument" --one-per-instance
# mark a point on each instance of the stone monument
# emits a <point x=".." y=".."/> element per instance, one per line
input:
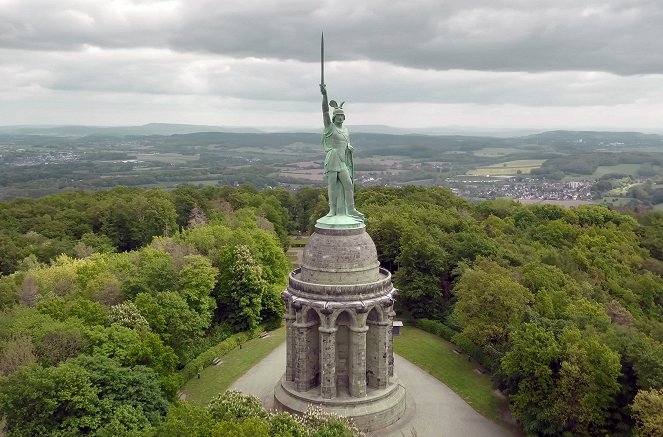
<point x="339" y="307"/>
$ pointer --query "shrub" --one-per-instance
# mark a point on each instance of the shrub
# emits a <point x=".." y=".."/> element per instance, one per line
<point x="233" y="405"/>
<point x="435" y="327"/>
<point x="205" y="359"/>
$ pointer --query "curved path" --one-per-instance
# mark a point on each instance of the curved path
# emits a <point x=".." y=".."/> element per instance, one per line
<point x="433" y="409"/>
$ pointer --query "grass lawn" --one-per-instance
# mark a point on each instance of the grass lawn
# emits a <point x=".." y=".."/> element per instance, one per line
<point x="216" y="379"/>
<point x="436" y="356"/>
<point x="427" y="351"/>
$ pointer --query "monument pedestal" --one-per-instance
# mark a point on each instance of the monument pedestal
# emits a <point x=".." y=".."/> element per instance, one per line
<point x="339" y="344"/>
<point x="378" y="409"/>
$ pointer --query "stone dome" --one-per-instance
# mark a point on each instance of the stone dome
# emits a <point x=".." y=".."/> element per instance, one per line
<point x="340" y="257"/>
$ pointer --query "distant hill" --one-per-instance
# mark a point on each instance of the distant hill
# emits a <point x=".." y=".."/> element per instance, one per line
<point x="372" y="138"/>
<point x="591" y="140"/>
<point x="147" y="129"/>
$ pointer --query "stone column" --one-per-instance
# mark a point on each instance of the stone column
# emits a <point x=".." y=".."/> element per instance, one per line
<point x="301" y="358"/>
<point x="358" y="361"/>
<point x="390" y="344"/>
<point x="384" y="336"/>
<point x="327" y="362"/>
<point x="290" y="354"/>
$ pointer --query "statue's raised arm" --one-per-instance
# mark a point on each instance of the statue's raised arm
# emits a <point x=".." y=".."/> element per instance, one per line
<point x="325" y="106"/>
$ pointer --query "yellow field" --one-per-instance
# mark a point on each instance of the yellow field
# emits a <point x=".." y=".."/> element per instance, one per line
<point x="314" y="174"/>
<point x="495" y="151"/>
<point x="171" y="158"/>
<point x="508" y="168"/>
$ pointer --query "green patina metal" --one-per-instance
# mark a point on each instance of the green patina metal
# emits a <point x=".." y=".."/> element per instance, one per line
<point x="339" y="166"/>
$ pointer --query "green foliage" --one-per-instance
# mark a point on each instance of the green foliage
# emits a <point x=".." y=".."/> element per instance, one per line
<point x="81" y="396"/>
<point x="648" y="411"/>
<point x="169" y="315"/>
<point x="564" y="383"/>
<point x="125" y="421"/>
<point x="127" y="314"/>
<point x="490" y="303"/>
<point x="241" y="288"/>
<point x="185" y="418"/>
<point x="153" y="271"/>
<point x="43" y="401"/>
<point x="325" y="424"/>
<point x="437" y="328"/>
<point x="197" y="279"/>
<point x="9" y="290"/>
<point x="287" y="425"/>
<point x="132" y="347"/>
<point x="235" y="406"/>
<point x="588" y="278"/>
<point x="136" y="386"/>
<point x="205" y="359"/>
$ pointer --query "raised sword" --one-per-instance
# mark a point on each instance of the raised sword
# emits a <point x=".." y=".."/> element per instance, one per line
<point x="322" y="59"/>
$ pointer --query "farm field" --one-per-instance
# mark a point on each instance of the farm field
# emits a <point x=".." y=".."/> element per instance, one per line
<point x="308" y="175"/>
<point x="495" y="152"/>
<point x="564" y="203"/>
<point x="629" y="169"/>
<point x="169" y="158"/>
<point x="507" y="168"/>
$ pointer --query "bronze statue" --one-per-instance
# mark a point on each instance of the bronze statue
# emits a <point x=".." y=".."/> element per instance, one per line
<point x="339" y="167"/>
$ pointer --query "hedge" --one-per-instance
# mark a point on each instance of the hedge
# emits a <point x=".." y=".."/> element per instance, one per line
<point x="205" y="359"/>
<point x="435" y="327"/>
<point x="458" y="339"/>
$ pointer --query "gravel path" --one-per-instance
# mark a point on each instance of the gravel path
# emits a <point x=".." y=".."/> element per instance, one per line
<point x="433" y="409"/>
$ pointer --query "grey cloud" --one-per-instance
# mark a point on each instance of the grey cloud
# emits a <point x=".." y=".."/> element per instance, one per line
<point x="151" y="71"/>
<point x="619" y="36"/>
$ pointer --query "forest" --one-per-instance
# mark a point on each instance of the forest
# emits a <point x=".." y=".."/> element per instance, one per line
<point x="104" y="291"/>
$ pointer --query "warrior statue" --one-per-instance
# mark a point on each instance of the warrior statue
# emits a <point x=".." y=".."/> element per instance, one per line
<point x="339" y="168"/>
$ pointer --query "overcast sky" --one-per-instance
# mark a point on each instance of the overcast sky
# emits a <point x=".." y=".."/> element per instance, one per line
<point x="575" y="64"/>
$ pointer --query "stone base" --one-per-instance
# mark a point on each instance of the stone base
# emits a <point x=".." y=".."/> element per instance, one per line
<point x="380" y="408"/>
<point x="339" y="222"/>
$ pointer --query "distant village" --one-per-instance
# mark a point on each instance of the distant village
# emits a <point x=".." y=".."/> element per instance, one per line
<point x="523" y="188"/>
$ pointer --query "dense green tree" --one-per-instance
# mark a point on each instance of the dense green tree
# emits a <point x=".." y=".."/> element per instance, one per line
<point x="9" y="290"/>
<point x="186" y="199"/>
<point x="564" y="384"/>
<point x="153" y="271"/>
<point x="235" y="406"/>
<point x="422" y="265"/>
<point x="648" y="411"/>
<point x="131" y="347"/>
<point x="47" y="401"/>
<point x="136" y="386"/>
<point x="125" y="421"/>
<point x="240" y="288"/>
<point x="490" y="303"/>
<point x="196" y="281"/>
<point x="127" y="314"/>
<point x="170" y="316"/>
<point x="185" y="418"/>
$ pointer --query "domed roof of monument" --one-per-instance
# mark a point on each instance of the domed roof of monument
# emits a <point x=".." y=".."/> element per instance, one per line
<point x="340" y="257"/>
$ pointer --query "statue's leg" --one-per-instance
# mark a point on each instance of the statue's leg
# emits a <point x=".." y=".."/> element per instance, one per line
<point x="349" y="189"/>
<point x="332" y="190"/>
